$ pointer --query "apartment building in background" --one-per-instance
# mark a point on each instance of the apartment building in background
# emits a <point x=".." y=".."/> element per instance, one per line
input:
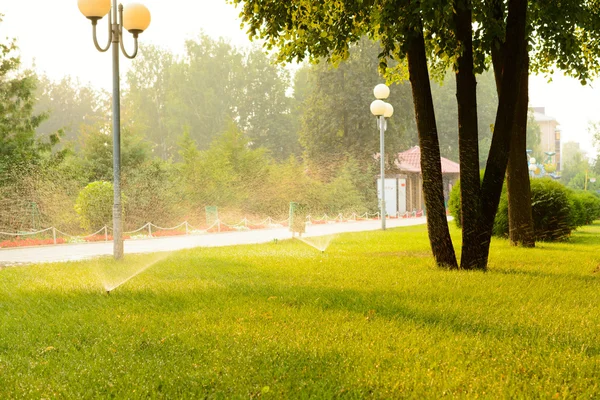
<point x="549" y="134"/>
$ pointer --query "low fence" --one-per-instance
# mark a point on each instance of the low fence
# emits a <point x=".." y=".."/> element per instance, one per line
<point x="52" y="235"/>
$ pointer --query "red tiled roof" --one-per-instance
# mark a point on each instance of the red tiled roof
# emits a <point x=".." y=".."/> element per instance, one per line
<point x="410" y="161"/>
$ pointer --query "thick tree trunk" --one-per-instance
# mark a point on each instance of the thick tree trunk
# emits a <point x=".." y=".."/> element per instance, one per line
<point x="520" y="219"/>
<point x="468" y="141"/>
<point x="515" y="49"/>
<point x="431" y="167"/>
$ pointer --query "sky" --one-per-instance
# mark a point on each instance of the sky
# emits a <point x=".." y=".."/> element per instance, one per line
<point x="57" y="40"/>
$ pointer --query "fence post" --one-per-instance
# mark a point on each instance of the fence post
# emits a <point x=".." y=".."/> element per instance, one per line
<point x="149" y="229"/>
<point x="105" y="233"/>
<point x="187" y="228"/>
<point x="54" y="234"/>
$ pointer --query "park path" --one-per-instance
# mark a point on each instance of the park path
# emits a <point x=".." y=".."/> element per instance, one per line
<point x="81" y="251"/>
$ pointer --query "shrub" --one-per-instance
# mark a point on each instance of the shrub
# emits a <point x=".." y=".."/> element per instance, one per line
<point x="578" y="214"/>
<point x="94" y="205"/>
<point x="585" y="208"/>
<point x="454" y="204"/>
<point x="552" y="210"/>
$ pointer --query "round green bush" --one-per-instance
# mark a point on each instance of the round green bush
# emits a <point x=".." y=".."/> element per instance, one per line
<point x="94" y="205"/>
<point x="585" y="208"/>
<point x="578" y="214"/>
<point x="552" y="210"/>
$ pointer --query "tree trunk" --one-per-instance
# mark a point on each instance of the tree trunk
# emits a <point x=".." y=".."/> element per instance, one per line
<point x="468" y="140"/>
<point x="520" y="219"/>
<point x="515" y="50"/>
<point x="431" y="166"/>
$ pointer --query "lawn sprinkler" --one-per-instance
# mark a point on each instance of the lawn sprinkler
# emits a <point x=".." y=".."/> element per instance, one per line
<point x="108" y="292"/>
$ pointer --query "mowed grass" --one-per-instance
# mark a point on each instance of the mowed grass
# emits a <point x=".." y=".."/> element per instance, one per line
<point x="370" y="317"/>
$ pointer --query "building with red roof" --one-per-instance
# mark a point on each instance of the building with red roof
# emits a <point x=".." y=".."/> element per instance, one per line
<point x="410" y="180"/>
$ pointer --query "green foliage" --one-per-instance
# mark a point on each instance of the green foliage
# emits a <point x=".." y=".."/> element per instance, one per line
<point x="70" y="107"/>
<point x="573" y="163"/>
<point x="444" y="96"/>
<point x="454" y="204"/>
<point x="235" y="176"/>
<point x="365" y="319"/>
<point x="551" y="210"/>
<point x="211" y="85"/>
<point x="94" y="205"/>
<point x="20" y="150"/>
<point x="152" y="195"/>
<point x="335" y="118"/>
<point x="585" y="208"/>
<point x="556" y="210"/>
<point x="570" y="43"/>
<point x="533" y="140"/>
<point x="96" y="154"/>
<point x="578" y="182"/>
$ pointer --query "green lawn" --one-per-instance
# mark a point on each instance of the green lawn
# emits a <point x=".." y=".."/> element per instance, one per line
<point x="370" y="317"/>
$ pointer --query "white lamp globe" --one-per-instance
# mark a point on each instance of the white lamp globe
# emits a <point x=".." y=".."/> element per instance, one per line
<point x="381" y="91"/>
<point x="136" y="18"/>
<point x="378" y="108"/>
<point x="94" y="9"/>
<point x="389" y="110"/>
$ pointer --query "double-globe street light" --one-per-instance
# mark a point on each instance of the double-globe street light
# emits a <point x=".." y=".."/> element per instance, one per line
<point x="135" y="18"/>
<point x="382" y="110"/>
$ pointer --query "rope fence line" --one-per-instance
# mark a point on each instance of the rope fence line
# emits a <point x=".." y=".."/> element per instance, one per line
<point x="25" y="233"/>
<point x="218" y="225"/>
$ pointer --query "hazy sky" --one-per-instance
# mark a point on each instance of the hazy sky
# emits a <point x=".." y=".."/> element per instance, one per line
<point x="58" y="38"/>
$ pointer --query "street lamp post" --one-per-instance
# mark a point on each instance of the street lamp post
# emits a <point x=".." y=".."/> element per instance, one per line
<point x="135" y="18"/>
<point x="382" y="111"/>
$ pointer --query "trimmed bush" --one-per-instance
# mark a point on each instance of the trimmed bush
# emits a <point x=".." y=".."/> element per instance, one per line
<point x="94" y="205"/>
<point x="585" y="208"/>
<point x="553" y="208"/>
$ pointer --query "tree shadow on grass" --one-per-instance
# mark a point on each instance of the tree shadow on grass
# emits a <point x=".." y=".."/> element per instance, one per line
<point x="244" y="286"/>
<point x="389" y="305"/>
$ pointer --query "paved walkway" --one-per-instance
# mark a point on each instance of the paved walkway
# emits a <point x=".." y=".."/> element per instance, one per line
<point x="80" y="251"/>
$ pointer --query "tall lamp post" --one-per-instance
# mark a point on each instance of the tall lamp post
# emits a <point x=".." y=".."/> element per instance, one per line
<point x="382" y="110"/>
<point x="135" y="18"/>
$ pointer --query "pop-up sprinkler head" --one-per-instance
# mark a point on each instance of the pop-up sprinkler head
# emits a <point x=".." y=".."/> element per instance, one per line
<point x="108" y="292"/>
